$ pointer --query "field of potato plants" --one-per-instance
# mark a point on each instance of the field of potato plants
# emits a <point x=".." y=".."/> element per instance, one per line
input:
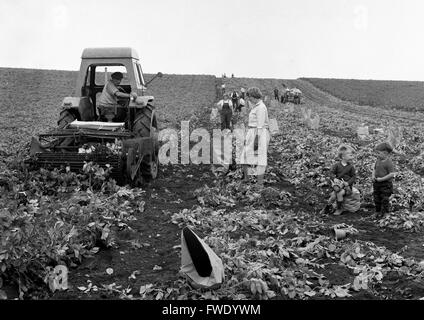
<point x="407" y="95"/>
<point x="118" y="242"/>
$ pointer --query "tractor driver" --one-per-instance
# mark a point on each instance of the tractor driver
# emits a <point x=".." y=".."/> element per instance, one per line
<point x="108" y="100"/>
<point x="111" y="91"/>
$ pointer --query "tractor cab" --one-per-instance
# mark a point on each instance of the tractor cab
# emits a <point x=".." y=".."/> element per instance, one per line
<point x="97" y="65"/>
<point x="84" y="123"/>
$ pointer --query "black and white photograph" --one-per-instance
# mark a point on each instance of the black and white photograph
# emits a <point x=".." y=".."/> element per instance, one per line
<point x="211" y="157"/>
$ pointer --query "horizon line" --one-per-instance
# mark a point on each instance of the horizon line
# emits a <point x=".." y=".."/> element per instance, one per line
<point x="228" y="77"/>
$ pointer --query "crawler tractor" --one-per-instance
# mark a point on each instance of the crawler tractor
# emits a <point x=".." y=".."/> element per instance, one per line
<point x="123" y="136"/>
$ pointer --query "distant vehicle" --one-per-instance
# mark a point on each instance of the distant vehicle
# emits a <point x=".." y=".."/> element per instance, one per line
<point x="291" y="95"/>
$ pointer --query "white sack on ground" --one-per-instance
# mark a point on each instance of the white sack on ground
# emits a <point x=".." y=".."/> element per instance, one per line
<point x="199" y="263"/>
<point x="214" y="114"/>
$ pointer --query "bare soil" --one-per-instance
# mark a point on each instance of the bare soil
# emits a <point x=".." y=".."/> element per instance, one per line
<point x="153" y="238"/>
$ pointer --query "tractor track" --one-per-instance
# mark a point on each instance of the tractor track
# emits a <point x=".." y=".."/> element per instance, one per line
<point x="324" y="99"/>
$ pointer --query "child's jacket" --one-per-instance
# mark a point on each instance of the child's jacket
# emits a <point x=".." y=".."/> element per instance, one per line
<point x="383" y="168"/>
<point x="347" y="173"/>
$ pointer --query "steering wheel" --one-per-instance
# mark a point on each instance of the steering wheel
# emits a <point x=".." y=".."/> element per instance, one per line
<point x="123" y="101"/>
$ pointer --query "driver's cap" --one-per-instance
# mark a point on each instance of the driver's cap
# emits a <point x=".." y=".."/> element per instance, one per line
<point x="117" y="75"/>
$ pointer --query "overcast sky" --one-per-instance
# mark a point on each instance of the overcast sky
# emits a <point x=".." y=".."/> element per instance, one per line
<point x="369" y="39"/>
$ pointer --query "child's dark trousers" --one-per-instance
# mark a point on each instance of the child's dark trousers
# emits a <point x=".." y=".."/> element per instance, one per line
<point x="382" y="192"/>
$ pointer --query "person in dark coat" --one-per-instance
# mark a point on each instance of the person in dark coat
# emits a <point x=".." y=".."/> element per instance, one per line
<point x="235" y="99"/>
<point x="276" y="94"/>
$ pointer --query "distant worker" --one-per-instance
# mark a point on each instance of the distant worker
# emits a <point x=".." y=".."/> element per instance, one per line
<point x="284" y="95"/>
<point x="234" y="99"/>
<point x="225" y="106"/>
<point x="240" y="105"/>
<point x="239" y="112"/>
<point x="232" y="75"/>
<point x="109" y="99"/>
<point x="243" y="93"/>
<point x="276" y="94"/>
<point x="223" y="89"/>
<point x="283" y="91"/>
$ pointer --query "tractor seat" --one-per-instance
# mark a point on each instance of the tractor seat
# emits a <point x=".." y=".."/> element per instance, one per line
<point x="85" y="106"/>
<point x="107" y="112"/>
<point x="85" y="109"/>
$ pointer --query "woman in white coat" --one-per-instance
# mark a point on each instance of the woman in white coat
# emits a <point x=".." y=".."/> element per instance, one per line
<point x="255" y="151"/>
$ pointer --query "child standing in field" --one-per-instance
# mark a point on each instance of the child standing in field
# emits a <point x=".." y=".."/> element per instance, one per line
<point x="225" y="106"/>
<point x="343" y="175"/>
<point x="382" y="176"/>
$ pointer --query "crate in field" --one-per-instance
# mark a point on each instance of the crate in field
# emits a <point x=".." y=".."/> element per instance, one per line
<point x="273" y="126"/>
<point x="378" y="130"/>
<point x="363" y="132"/>
<point x="314" y="123"/>
<point x="311" y="123"/>
<point x="395" y="136"/>
<point x="275" y="104"/>
<point x="214" y="115"/>
<point x="306" y="115"/>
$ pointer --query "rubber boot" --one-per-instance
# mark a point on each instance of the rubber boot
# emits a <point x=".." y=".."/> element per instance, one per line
<point x="261" y="179"/>
<point x="245" y="175"/>
<point x="339" y="209"/>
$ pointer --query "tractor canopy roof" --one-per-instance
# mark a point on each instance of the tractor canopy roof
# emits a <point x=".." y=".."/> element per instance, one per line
<point x="109" y="53"/>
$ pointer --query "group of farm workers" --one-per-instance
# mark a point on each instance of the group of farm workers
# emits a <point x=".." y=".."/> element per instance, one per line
<point x="233" y="110"/>
<point x="230" y="107"/>
<point x="254" y="151"/>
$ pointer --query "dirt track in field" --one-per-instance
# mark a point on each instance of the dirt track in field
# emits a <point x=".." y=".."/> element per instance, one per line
<point x="151" y="241"/>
